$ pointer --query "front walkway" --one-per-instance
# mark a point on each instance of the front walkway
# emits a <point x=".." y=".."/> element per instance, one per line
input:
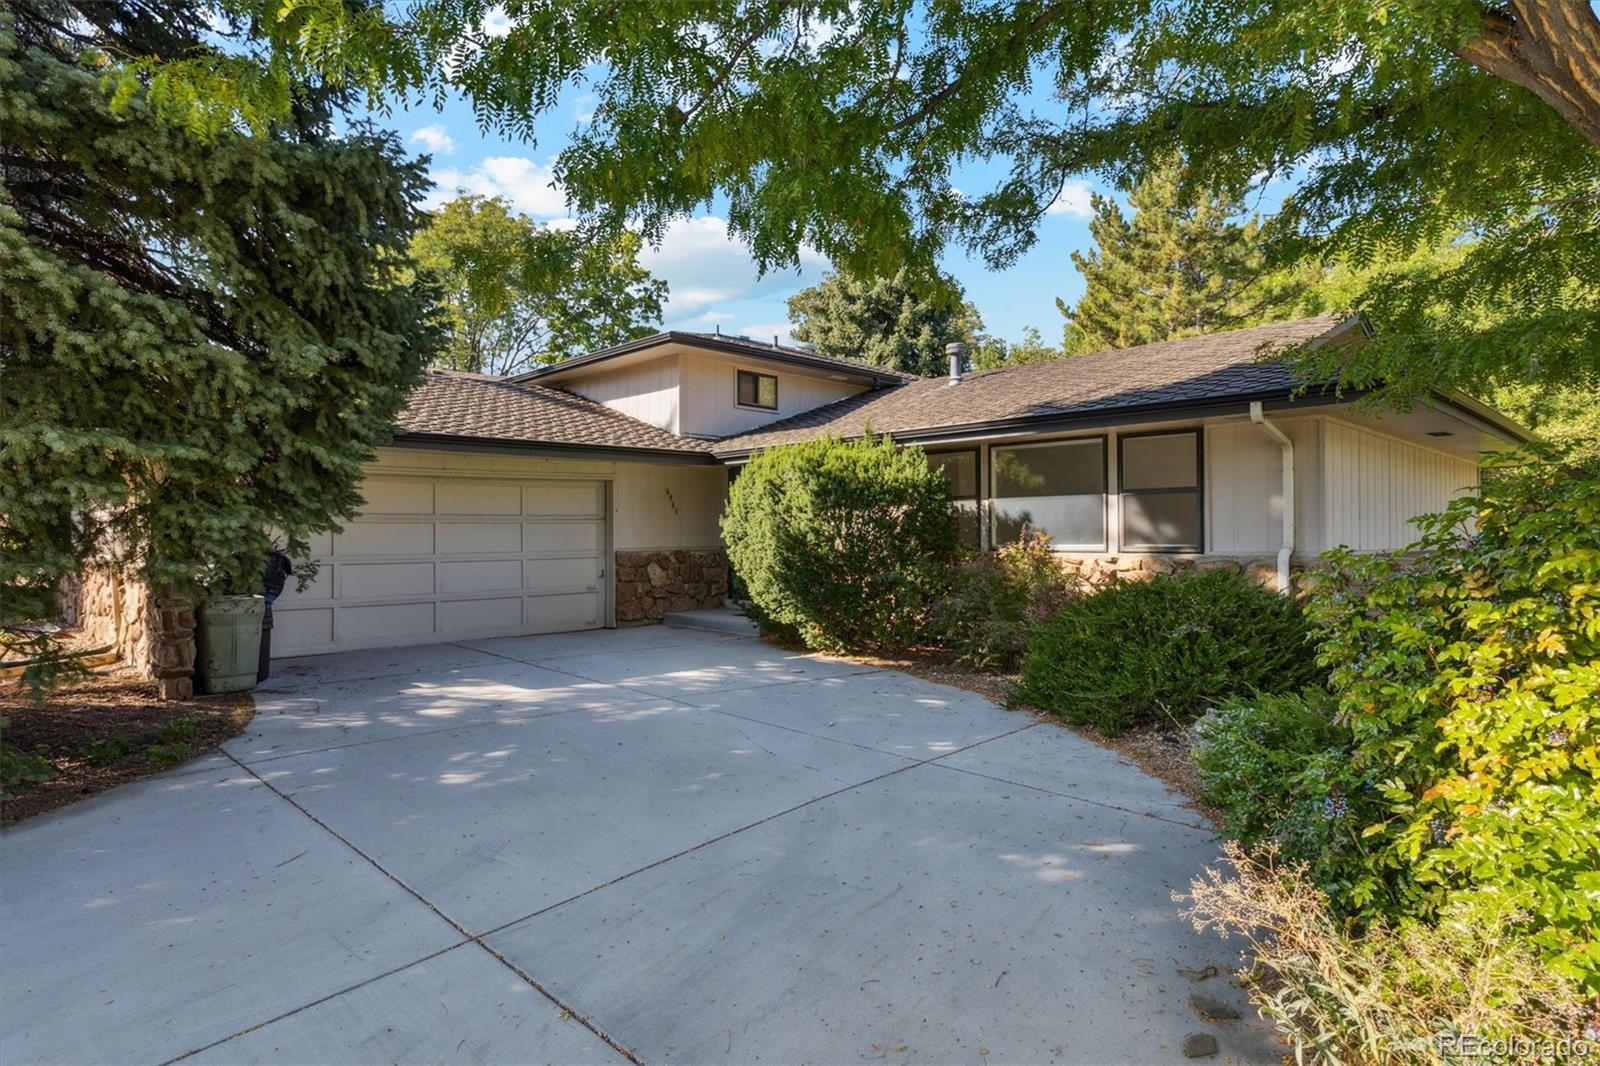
<point x="666" y="843"/>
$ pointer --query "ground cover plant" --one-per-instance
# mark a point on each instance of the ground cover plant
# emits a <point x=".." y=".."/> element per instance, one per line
<point x="844" y="545"/>
<point x="999" y="600"/>
<point x="1139" y="651"/>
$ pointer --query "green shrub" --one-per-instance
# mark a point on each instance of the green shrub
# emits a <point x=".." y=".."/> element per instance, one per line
<point x="1172" y="647"/>
<point x="1470" y="675"/>
<point x="1393" y="993"/>
<point x="845" y="545"/>
<point x="998" y="602"/>
<point x="1277" y="769"/>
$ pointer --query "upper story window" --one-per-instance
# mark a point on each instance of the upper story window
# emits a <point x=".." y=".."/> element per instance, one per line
<point x="757" y="390"/>
<point x="1161" y="505"/>
<point x="1057" y="487"/>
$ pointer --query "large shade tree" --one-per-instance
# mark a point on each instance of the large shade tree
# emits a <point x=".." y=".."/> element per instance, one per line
<point x="517" y="294"/>
<point x="842" y="126"/>
<point x="202" y="338"/>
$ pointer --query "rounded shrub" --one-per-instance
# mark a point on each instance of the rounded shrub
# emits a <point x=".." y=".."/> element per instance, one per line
<point x="1170" y="647"/>
<point x="843" y="544"/>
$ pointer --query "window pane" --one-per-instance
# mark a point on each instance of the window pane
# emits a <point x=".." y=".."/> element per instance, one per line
<point x="757" y="390"/>
<point x="967" y="521"/>
<point x="960" y="470"/>
<point x="1075" y="521"/>
<point x="1068" y="468"/>
<point x="747" y="388"/>
<point x="1161" y="520"/>
<point x="1164" y="462"/>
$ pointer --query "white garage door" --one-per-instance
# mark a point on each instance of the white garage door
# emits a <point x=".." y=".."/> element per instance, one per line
<point x="446" y="558"/>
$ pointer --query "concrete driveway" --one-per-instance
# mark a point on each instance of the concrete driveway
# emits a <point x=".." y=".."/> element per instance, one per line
<point x="654" y="842"/>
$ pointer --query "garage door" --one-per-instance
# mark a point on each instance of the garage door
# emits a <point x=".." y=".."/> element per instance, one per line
<point x="446" y="558"/>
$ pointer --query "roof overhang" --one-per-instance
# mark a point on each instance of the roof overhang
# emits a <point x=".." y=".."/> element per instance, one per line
<point x="552" y="450"/>
<point x="643" y="348"/>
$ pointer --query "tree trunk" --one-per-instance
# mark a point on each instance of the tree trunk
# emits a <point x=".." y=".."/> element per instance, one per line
<point x="1552" y="49"/>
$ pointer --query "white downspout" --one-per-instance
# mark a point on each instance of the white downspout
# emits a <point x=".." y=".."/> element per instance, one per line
<point x="1286" y="448"/>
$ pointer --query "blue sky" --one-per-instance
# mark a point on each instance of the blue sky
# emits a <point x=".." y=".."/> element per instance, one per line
<point x="713" y="280"/>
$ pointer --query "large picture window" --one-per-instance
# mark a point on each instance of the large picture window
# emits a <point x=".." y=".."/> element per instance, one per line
<point x="960" y="470"/>
<point x="1160" y="482"/>
<point x="1058" y="488"/>
<point x="757" y="390"/>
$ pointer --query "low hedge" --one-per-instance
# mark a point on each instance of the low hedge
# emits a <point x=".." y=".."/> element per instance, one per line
<point x="1171" y="647"/>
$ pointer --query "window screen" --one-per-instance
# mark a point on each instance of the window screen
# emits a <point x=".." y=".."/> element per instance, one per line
<point x="757" y="390"/>
<point x="1057" y="488"/>
<point x="1160" y="476"/>
<point x="960" y="469"/>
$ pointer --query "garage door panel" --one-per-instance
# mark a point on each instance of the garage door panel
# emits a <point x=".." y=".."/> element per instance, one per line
<point x="479" y="497"/>
<point x="319" y="588"/>
<point x="562" y="575"/>
<point x="480" y="616"/>
<point x="385" y="538"/>
<point x="563" y="613"/>
<point x="397" y="496"/>
<point x="384" y="580"/>
<point x="386" y="623"/>
<point x="462" y="538"/>
<point x="564" y="498"/>
<point x="544" y="538"/>
<point x="480" y="575"/>
<point x="301" y="629"/>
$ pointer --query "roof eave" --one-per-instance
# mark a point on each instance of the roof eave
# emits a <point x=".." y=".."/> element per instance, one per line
<point x="553" y="449"/>
<point x="877" y="378"/>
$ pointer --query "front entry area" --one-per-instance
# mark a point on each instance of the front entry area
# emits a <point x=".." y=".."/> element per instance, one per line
<point x="443" y="558"/>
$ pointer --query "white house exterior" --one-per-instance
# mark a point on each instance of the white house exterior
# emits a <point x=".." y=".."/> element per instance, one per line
<point x="587" y="494"/>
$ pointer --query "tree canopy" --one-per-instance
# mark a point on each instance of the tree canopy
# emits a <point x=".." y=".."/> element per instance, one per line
<point x="842" y="127"/>
<point x="1184" y="264"/>
<point x="517" y="294"/>
<point x="203" y="338"/>
<point x="885" y="321"/>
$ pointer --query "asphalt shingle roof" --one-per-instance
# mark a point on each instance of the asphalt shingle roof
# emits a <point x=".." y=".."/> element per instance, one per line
<point x="451" y="403"/>
<point x="1217" y="366"/>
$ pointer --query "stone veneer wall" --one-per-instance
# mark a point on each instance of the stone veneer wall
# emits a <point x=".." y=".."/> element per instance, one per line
<point x="652" y="583"/>
<point x="154" y="635"/>
<point x="1098" y="571"/>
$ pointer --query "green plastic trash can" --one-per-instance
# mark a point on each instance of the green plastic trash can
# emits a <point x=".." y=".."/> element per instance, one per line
<point x="228" y="643"/>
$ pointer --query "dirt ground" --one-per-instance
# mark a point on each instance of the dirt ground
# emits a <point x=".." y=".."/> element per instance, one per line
<point x="104" y="730"/>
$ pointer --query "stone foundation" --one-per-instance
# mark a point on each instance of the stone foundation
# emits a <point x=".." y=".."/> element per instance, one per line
<point x="153" y="635"/>
<point x="1097" y="571"/>
<point x="650" y="585"/>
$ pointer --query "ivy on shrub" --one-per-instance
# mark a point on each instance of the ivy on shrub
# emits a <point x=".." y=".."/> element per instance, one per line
<point x="1469" y="672"/>
<point x="1170" y="647"/>
<point x="844" y="545"/>
<point x="998" y="602"/>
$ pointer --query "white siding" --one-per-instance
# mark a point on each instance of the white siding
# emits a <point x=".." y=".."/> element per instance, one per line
<point x="707" y="402"/>
<point x="646" y="391"/>
<point x="1373" y="485"/>
<point x="1244" y="487"/>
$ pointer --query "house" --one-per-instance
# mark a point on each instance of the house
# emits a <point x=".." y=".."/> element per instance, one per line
<point x="587" y="494"/>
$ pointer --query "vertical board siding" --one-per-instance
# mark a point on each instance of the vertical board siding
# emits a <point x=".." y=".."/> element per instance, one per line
<point x="1374" y="485"/>
<point x="1244" y="487"/>
<point x="708" y="407"/>
<point x="646" y="391"/>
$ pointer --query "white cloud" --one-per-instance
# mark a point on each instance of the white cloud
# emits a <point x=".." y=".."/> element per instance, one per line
<point x="583" y="108"/>
<point x="528" y="186"/>
<point x="1073" y="201"/>
<point x="496" y="23"/>
<point x="705" y="265"/>
<point x="764" y="332"/>
<point x="436" y="139"/>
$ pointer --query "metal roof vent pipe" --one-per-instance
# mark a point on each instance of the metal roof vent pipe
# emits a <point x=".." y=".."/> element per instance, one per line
<point x="957" y="352"/>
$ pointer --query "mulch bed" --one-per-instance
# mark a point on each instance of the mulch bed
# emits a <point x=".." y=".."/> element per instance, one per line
<point x="105" y="730"/>
<point x="1160" y="749"/>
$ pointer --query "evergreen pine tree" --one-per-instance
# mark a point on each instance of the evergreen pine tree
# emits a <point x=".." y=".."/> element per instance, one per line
<point x="203" y="337"/>
<point x="1180" y="266"/>
<point x="885" y="321"/>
